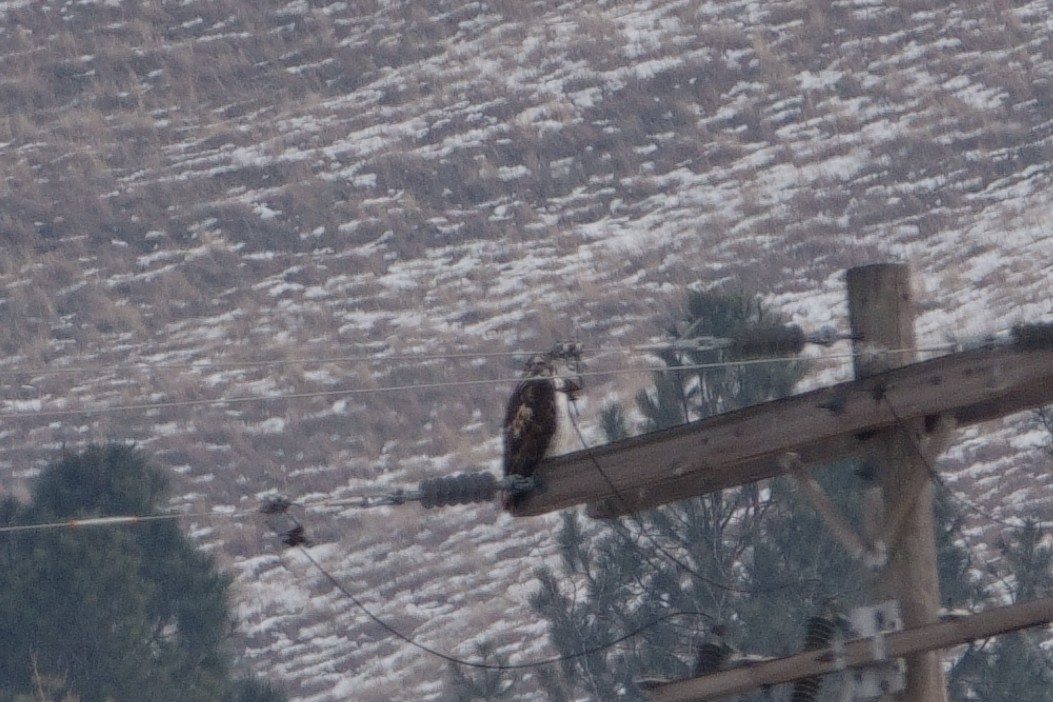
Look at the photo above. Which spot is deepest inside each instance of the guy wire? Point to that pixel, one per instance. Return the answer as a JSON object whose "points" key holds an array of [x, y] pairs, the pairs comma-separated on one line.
{"points": [[635, 516], [350, 392], [479, 664]]}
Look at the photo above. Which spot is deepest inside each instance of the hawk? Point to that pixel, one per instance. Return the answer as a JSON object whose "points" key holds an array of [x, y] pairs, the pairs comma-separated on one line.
{"points": [[537, 420]]}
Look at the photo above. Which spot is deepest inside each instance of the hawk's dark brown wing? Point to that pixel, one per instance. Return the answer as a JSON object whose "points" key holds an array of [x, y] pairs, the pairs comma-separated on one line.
{"points": [[530, 423]]}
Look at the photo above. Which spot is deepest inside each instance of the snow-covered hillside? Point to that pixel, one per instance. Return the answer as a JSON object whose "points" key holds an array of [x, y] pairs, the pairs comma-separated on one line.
{"points": [[229, 226]]}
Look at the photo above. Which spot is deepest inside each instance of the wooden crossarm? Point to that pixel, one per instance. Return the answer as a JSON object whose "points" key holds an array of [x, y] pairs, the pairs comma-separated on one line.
{"points": [[822, 425]]}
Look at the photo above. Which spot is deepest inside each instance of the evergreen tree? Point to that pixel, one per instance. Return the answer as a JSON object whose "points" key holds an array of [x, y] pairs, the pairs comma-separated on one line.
{"points": [[1044, 419], [254, 690], [116, 613], [677, 572], [613, 422], [684, 391], [481, 684], [796, 568], [749, 564], [1012, 667]]}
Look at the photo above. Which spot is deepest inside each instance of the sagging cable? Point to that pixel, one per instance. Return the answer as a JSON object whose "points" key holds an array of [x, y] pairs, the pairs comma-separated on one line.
{"points": [[460, 489]]}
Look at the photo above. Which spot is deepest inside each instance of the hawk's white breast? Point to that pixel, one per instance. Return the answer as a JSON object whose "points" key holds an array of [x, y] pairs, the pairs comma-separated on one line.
{"points": [[565, 439]]}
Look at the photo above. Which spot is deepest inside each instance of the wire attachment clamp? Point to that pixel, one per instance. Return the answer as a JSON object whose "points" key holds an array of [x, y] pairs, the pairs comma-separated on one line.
{"points": [[275, 511], [466, 488], [885, 676], [459, 489]]}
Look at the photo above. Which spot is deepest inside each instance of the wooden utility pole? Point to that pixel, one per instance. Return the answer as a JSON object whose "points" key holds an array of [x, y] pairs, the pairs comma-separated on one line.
{"points": [[819, 426], [896, 415], [881, 315]]}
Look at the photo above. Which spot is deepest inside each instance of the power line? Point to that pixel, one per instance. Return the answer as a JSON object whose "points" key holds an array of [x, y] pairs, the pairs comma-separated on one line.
{"points": [[364, 500], [347, 392], [679, 562], [448, 490], [111, 521], [937, 478], [401, 359], [119, 520], [767, 341], [248, 363], [147, 406], [479, 664]]}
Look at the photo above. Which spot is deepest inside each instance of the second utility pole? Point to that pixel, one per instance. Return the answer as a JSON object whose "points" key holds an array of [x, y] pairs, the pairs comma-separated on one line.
{"points": [[898, 506]]}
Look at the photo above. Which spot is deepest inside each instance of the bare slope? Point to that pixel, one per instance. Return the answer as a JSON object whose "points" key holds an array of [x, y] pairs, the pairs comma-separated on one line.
{"points": [[187, 189]]}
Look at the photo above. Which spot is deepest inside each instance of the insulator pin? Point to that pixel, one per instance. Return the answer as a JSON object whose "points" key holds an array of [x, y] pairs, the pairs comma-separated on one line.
{"points": [[819, 633], [459, 489], [769, 341], [806, 689]]}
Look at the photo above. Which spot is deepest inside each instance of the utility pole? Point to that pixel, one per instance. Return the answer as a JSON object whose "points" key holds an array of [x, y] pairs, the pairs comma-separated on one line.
{"points": [[819, 426], [881, 315], [896, 415]]}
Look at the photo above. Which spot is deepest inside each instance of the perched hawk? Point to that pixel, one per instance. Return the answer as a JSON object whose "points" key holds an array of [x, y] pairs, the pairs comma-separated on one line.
{"points": [[537, 421]]}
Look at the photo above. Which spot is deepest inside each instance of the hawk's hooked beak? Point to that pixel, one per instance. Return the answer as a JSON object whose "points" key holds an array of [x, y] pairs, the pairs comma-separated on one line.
{"points": [[574, 385], [570, 353]]}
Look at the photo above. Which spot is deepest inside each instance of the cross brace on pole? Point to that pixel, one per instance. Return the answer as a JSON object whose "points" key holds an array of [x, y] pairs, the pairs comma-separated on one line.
{"points": [[835, 422], [859, 652]]}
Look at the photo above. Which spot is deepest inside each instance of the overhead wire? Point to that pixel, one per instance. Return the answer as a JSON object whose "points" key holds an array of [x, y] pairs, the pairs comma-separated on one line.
{"points": [[333, 580], [936, 478], [262, 363], [362, 500], [641, 525], [118, 520], [398, 358], [168, 404], [357, 391], [112, 521]]}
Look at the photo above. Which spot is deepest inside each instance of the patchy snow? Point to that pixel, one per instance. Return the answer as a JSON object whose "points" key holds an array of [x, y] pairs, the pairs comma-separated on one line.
{"points": [[406, 222]]}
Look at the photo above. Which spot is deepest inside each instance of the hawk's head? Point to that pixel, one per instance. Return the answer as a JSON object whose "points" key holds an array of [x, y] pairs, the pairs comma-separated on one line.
{"points": [[562, 364]]}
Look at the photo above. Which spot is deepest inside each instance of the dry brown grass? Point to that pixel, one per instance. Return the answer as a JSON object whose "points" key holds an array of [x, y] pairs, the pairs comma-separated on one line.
{"points": [[153, 143]]}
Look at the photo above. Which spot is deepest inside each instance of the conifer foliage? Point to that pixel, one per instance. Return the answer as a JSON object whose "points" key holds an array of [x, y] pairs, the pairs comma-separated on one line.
{"points": [[685, 574], [1015, 667], [741, 571], [111, 613]]}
